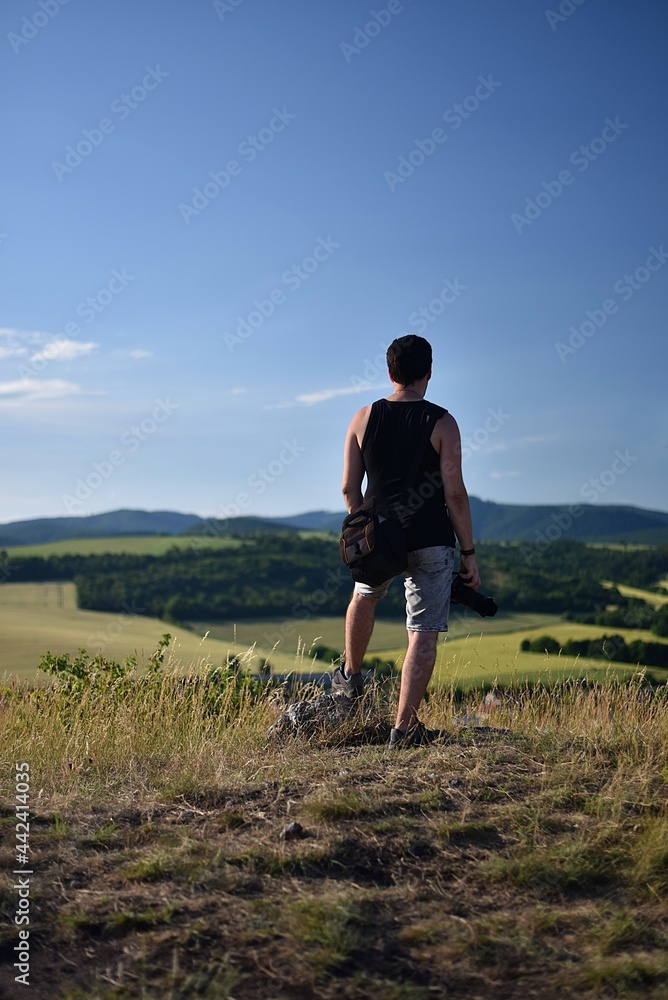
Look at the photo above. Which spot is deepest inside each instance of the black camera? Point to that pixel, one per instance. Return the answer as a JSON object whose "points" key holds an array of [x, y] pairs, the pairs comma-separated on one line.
{"points": [[470, 598]]}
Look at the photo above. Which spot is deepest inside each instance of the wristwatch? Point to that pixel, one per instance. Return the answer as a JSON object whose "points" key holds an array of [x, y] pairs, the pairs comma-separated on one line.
{"points": [[466, 552]]}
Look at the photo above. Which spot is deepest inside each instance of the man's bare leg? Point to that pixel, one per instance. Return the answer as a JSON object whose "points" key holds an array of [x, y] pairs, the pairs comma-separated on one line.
{"points": [[360, 618], [415, 674]]}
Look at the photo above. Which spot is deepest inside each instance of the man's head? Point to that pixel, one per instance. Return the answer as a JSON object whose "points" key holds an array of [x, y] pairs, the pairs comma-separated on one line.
{"points": [[409, 359]]}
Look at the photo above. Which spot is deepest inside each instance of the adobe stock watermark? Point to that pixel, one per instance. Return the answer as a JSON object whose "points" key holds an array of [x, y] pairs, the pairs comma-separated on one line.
{"points": [[101, 639], [292, 278], [470, 444], [565, 10], [31, 26], [493, 422], [454, 117], [129, 442], [23, 870], [422, 317], [223, 7], [88, 310], [257, 483], [418, 320], [364, 35], [249, 148], [592, 490], [302, 611], [582, 158], [121, 107], [624, 288]]}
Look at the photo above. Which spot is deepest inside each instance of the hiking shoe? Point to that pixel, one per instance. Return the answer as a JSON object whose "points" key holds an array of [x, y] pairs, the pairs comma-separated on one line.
{"points": [[417, 736], [350, 687]]}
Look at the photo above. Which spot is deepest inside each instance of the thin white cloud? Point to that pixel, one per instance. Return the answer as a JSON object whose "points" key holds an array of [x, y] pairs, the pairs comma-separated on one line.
{"points": [[33, 388], [12, 352], [284, 405], [504, 473], [63, 349], [311, 399], [520, 442], [238, 390], [134, 353], [17, 338], [495, 446], [538, 438]]}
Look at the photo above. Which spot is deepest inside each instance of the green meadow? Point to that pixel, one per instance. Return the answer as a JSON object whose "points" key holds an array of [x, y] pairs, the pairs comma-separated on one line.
{"points": [[40, 617], [655, 600], [136, 545]]}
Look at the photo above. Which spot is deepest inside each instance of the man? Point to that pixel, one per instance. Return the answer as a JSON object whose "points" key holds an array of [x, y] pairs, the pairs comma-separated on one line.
{"points": [[381, 442]]}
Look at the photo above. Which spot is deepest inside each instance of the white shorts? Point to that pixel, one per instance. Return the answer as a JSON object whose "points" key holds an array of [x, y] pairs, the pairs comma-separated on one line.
{"points": [[427, 582]]}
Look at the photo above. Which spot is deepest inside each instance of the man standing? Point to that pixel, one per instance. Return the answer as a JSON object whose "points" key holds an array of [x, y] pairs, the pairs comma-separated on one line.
{"points": [[381, 442]]}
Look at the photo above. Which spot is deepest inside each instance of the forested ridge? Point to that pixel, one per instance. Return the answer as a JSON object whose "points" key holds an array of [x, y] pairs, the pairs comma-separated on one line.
{"points": [[278, 574]]}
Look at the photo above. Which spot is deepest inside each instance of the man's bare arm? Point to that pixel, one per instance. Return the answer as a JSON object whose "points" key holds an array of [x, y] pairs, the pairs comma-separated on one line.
{"points": [[353, 462], [456, 497]]}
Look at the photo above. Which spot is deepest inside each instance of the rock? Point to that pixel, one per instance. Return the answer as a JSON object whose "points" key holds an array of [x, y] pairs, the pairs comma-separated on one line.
{"points": [[307, 717], [474, 721], [491, 702], [293, 831]]}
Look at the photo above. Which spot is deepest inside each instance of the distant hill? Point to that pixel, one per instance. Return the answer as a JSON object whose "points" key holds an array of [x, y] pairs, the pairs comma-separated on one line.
{"points": [[592, 523], [315, 520], [492, 522], [238, 525], [496, 522], [115, 522]]}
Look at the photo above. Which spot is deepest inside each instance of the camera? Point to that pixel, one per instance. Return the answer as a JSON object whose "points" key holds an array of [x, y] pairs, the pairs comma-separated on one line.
{"points": [[470, 598]]}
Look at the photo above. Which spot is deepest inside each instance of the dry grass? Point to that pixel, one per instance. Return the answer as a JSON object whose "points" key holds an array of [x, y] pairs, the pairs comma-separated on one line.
{"points": [[525, 859]]}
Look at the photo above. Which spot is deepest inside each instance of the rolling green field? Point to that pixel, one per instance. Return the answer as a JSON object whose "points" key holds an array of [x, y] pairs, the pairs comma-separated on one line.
{"points": [[40, 617], [488, 659], [36, 617], [654, 600], [139, 545], [387, 634]]}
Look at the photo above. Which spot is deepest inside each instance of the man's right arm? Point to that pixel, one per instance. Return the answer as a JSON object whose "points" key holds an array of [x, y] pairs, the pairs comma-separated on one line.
{"points": [[456, 497], [353, 461]]}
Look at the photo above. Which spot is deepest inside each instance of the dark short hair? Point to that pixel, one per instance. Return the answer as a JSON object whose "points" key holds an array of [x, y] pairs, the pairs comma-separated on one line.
{"points": [[409, 359]]}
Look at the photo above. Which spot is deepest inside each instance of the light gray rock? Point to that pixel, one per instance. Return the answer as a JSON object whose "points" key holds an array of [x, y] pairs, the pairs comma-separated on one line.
{"points": [[333, 716], [304, 718]]}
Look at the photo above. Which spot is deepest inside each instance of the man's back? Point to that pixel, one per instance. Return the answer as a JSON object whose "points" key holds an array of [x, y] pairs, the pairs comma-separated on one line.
{"points": [[393, 433]]}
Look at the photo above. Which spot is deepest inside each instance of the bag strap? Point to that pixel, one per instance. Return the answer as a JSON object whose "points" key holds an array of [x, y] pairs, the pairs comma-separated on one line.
{"points": [[419, 453]]}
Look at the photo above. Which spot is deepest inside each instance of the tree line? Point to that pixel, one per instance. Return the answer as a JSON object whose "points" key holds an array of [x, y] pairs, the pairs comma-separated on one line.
{"points": [[605, 647], [273, 574]]}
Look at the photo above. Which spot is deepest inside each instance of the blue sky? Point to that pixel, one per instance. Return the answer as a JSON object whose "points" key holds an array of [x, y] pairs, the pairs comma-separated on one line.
{"points": [[216, 217]]}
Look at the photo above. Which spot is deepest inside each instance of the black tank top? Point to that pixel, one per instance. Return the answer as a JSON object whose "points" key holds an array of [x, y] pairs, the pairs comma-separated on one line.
{"points": [[388, 449]]}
